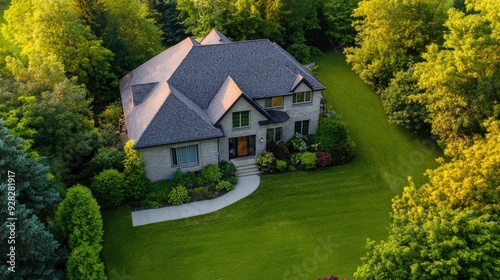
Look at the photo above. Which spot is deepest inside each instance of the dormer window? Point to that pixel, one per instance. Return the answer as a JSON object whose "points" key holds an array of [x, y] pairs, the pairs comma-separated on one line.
{"points": [[274, 102], [302, 97]]}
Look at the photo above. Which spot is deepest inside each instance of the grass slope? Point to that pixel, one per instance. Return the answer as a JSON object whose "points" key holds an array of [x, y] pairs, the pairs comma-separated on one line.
{"points": [[300, 225]]}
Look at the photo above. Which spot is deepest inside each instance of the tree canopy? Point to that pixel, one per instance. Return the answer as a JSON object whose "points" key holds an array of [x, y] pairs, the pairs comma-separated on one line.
{"points": [[448, 227]]}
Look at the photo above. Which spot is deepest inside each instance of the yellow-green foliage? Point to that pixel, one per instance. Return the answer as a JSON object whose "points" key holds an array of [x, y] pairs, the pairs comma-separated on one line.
{"points": [[448, 227], [136, 181]]}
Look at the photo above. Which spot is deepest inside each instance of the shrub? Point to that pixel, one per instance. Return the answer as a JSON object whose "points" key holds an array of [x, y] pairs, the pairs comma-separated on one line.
{"points": [[178, 195], [332, 137], [323, 159], [210, 175], [108, 188], [308, 160], [224, 185], [187, 179], [281, 165], [299, 143], [79, 218], [158, 194], [266, 161], [280, 151], [228, 169], [233, 180], [329, 278], [136, 181], [84, 263], [105, 158]]}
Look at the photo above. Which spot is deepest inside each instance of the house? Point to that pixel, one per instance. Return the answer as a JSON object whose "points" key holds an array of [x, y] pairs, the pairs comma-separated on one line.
{"points": [[199, 103]]}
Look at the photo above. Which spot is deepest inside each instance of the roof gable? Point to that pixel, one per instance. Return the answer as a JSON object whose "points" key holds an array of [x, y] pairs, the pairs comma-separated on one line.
{"points": [[225, 98], [176, 121], [215, 37]]}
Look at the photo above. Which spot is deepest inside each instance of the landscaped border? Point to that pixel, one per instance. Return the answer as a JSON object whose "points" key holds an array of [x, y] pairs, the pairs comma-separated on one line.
{"points": [[245, 186]]}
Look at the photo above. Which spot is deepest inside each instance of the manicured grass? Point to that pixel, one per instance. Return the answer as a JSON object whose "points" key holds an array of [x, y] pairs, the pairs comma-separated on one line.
{"points": [[301, 225]]}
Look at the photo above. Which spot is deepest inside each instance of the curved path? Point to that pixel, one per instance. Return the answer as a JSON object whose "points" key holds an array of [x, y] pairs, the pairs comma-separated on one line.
{"points": [[245, 186]]}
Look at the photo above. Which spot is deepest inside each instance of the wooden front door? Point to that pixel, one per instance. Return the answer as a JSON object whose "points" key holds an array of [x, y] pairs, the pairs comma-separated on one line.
{"points": [[242, 146]]}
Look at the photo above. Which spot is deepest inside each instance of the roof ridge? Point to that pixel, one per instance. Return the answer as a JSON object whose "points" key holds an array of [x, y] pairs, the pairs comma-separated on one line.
{"points": [[234, 43]]}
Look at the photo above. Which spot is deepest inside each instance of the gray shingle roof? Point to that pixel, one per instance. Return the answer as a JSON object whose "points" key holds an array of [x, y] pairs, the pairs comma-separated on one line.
{"points": [[260, 69], [180, 94]]}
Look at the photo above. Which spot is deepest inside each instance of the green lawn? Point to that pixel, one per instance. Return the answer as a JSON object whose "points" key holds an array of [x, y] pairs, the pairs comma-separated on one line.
{"points": [[300, 225]]}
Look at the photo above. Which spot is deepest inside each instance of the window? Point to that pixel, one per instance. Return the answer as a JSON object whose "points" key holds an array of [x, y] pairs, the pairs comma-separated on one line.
{"points": [[187, 155], [302, 127], [274, 134], [274, 102], [302, 97], [241, 119]]}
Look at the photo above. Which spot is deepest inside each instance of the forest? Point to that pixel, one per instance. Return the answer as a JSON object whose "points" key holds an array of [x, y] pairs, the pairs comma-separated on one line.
{"points": [[435, 65]]}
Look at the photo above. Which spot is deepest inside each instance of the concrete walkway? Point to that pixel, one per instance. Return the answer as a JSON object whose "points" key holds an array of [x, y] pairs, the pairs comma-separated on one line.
{"points": [[245, 186]]}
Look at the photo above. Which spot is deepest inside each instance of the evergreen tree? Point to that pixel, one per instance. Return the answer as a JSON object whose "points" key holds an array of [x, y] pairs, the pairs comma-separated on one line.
{"points": [[30, 195]]}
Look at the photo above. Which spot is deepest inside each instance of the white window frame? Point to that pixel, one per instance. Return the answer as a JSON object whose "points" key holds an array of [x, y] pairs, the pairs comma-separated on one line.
{"points": [[304, 100], [240, 119], [184, 151]]}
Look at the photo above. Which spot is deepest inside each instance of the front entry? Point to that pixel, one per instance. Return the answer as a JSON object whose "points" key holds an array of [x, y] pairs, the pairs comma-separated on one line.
{"points": [[242, 146]]}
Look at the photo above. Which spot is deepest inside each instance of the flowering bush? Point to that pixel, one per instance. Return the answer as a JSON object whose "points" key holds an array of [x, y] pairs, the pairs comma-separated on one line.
{"points": [[299, 143], [266, 161], [329, 278], [323, 159], [308, 160]]}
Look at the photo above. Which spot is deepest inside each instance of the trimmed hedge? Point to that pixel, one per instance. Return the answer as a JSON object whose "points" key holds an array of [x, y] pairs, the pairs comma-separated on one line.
{"points": [[108, 188]]}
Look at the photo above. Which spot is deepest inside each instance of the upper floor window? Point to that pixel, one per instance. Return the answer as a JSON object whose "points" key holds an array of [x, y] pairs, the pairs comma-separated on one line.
{"points": [[187, 155], [241, 119], [302, 97], [274, 102]]}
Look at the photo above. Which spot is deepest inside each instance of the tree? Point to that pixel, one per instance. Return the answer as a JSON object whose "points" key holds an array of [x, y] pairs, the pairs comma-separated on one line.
{"points": [[339, 29], [201, 16], [31, 195], [84, 263], [167, 16], [53, 28], [54, 108], [79, 218], [130, 34], [448, 228], [393, 34], [400, 104], [461, 80]]}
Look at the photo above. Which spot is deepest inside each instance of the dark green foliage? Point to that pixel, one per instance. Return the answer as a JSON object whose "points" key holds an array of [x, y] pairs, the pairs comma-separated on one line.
{"points": [[110, 125], [79, 218], [108, 188], [210, 175], [233, 180], [37, 253], [106, 158], [136, 181], [228, 169], [339, 30], [332, 136], [400, 104], [158, 194], [279, 150], [178, 195], [167, 17], [84, 263]]}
